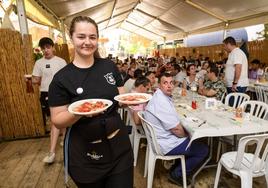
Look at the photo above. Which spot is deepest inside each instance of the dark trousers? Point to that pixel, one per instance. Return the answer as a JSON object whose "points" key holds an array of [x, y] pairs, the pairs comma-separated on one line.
{"points": [[123, 179], [194, 155], [44, 106], [239, 89]]}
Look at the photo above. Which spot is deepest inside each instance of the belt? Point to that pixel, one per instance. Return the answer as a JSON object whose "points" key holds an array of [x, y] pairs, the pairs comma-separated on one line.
{"points": [[110, 136]]}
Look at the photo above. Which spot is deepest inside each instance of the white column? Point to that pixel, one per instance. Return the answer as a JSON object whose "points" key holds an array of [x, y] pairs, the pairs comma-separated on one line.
{"points": [[51, 33], [22, 17], [62, 27], [225, 30]]}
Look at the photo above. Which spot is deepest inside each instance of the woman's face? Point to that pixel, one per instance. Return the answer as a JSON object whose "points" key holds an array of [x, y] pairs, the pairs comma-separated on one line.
{"points": [[192, 70], [151, 77], [85, 39]]}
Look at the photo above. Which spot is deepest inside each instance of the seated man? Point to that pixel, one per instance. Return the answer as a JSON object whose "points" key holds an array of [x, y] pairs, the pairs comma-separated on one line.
{"points": [[171, 136], [141, 85], [213, 87]]}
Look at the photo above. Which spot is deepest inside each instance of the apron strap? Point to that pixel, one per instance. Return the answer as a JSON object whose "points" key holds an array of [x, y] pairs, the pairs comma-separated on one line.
{"points": [[66, 152]]}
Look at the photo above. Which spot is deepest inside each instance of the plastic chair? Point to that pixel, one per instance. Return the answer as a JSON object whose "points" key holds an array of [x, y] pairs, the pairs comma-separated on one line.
{"points": [[138, 134], [236, 98], [153, 153], [246, 165], [262, 93], [223, 97], [124, 116], [256, 109]]}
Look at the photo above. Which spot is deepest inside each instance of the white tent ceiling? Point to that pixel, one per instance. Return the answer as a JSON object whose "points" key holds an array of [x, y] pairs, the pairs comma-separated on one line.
{"points": [[163, 19]]}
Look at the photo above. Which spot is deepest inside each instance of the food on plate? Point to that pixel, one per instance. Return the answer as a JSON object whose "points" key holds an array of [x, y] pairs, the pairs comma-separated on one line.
{"points": [[90, 106], [133, 98]]}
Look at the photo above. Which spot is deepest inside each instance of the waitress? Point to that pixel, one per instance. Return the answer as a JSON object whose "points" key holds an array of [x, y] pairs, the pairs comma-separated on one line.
{"points": [[98, 152]]}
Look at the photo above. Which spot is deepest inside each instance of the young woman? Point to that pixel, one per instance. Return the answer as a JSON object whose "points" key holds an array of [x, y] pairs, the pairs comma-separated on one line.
{"points": [[191, 81], [97, 148]]}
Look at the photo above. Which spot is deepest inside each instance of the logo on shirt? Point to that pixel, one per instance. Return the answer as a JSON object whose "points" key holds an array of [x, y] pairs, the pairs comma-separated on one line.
{"points": [[110, 78], [94, 156]]}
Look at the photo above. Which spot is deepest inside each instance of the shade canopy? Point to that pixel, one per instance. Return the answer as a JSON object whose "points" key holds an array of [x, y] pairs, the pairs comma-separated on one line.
{"points": [[157, 19]]}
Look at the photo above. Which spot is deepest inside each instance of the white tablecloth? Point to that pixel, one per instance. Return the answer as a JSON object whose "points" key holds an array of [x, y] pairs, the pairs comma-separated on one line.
{"points": [[219, 122]]}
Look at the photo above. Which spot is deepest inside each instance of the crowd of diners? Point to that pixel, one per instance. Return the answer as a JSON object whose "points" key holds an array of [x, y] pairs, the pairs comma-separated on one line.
{"points": [[186, 72]]}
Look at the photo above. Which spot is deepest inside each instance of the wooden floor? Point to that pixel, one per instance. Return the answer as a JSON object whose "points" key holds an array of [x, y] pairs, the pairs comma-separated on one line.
{"points": [[21, 166]]}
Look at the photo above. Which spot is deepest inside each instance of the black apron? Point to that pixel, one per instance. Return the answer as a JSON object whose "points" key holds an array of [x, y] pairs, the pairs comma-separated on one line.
{"points": [[89, 162]]}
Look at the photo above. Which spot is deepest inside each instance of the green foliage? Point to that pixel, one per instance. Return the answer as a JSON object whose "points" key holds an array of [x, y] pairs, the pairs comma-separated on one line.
{"points": [[37, 54], [263, 34]]}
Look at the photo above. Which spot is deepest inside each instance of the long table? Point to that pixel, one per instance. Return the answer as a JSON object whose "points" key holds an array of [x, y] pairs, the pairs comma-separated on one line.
{"points": [[219, 122], [254, 83]]}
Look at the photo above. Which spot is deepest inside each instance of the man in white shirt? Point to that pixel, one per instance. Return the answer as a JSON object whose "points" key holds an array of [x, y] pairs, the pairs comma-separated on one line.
{"points": [[171, 136], [43, 72], [236, 71]]}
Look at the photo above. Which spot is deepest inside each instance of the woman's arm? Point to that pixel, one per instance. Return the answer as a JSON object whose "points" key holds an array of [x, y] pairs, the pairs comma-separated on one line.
{"points": [[62, 118]]}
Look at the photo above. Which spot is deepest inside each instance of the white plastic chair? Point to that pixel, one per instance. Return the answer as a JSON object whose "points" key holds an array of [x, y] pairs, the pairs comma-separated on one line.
{"points": [[124, 116], [153, 153], [138, 134], [262, 93], [223, 97], [238, 99], [121, 112], [246, 165], [256, 109]]}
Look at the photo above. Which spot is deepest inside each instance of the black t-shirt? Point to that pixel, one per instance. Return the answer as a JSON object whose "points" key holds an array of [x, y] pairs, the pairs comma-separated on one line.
{"points": [[89, 162], [99, 81]]}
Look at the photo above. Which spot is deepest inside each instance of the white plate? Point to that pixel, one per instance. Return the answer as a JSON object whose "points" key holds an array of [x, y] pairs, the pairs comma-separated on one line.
{"points": [[139, 101], [78, 103]]}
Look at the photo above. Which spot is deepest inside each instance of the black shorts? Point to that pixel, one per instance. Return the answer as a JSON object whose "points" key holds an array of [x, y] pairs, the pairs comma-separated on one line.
{"points": [[44, 103]]}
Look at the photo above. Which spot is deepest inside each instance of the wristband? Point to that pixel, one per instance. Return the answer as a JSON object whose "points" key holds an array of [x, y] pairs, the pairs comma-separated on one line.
{"points": [[234, 83]]}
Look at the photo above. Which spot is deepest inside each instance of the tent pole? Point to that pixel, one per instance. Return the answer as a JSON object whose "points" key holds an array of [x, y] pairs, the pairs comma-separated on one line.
{"points": [[22, 17], [51, 32], [63, 32], [225, 30]]}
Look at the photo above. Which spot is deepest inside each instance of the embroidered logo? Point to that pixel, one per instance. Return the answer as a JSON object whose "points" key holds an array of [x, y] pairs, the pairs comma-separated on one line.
{"points": [[110, 78], [93, 155]]}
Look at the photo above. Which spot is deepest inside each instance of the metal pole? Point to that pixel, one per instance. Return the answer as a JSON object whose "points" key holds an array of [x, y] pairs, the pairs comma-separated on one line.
{"points": [[22, 17], [62, 27], [51, 32], [225, 30]]}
